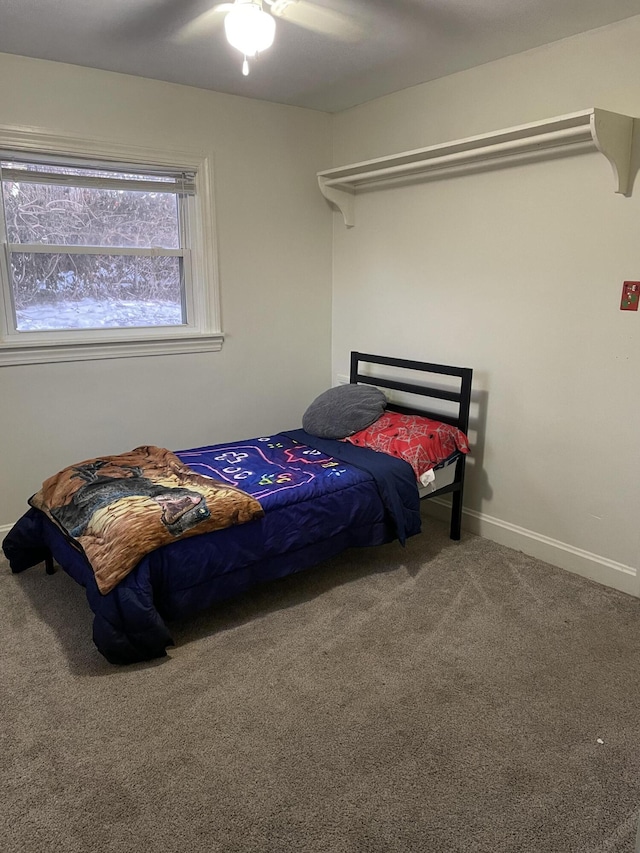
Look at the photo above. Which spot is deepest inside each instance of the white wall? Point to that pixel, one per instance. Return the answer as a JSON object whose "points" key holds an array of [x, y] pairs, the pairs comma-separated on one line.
{"points": [[274, 239], [517, 273]]}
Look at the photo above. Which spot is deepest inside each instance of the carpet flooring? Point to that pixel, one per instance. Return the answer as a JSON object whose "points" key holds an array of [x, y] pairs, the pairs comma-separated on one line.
{"points": [[444, 697]]}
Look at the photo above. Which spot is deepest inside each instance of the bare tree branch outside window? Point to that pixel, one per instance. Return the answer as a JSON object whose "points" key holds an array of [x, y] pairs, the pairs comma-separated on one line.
{"points": [[109, 288]]}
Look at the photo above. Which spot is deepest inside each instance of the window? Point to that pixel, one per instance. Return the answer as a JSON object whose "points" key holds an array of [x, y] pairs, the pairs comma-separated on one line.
{"points": [[104, 256]]}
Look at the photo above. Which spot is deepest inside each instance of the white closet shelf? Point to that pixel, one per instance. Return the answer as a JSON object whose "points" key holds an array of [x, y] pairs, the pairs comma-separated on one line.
{"points": [[607, 132]]}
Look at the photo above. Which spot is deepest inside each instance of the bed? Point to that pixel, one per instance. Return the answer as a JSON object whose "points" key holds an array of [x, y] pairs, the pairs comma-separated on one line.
{"points": [[315, 497]]}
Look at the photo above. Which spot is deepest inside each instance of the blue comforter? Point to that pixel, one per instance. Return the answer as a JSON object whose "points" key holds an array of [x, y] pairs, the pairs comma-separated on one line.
{"points": [[319, 497]]}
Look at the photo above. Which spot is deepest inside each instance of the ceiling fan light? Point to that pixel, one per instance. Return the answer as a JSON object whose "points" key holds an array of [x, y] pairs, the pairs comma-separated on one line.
{"points": [[249, 29]]}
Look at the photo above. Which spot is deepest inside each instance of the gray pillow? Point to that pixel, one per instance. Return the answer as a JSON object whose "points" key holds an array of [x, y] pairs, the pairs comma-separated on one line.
{"points": [[343, 410]]}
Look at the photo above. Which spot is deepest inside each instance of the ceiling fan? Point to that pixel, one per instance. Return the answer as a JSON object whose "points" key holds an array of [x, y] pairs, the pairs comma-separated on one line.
{"points": [[251, 29]]}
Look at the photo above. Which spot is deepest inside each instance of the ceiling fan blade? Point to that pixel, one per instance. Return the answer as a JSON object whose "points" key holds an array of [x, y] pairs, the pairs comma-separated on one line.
{"points": [[204, 24], [320, 19]]}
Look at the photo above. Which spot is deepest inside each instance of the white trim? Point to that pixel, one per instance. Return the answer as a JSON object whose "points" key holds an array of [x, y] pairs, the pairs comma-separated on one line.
{"points": [[12, 355], [576, 560], [4, 529], [202, 331]]}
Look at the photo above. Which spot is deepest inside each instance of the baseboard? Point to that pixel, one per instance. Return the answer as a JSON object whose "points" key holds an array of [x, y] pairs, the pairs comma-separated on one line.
{"points": [[592, 566]]}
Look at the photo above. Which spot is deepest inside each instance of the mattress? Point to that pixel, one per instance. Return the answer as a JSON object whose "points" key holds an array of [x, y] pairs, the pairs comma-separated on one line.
{"points": [[440, 477]]}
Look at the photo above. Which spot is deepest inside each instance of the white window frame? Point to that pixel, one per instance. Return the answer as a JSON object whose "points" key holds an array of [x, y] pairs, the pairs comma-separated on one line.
{"points": [[202, 330]]}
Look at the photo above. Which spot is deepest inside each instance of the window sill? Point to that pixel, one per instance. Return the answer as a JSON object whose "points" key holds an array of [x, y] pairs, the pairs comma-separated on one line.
{"points": [[12, 354]]}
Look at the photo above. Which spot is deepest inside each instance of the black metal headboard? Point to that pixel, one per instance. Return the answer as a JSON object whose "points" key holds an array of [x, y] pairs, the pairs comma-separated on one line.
{"points": [[462, 396], [459, 396]]}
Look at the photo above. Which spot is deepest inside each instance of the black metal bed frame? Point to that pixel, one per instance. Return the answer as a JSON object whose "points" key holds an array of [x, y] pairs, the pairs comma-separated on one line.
{"points": [[461, 397]]}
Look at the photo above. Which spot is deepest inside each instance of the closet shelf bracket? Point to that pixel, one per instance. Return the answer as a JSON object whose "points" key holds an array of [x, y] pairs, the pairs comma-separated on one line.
{"points": [[610, 133]]}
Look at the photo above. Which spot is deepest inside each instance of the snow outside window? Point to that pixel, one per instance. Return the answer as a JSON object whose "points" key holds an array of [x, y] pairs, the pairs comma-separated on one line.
{"points": [[104, 258]]}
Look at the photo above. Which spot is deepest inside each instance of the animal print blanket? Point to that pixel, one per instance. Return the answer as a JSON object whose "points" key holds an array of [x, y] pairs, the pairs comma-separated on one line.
{"points": [[117, 509]]}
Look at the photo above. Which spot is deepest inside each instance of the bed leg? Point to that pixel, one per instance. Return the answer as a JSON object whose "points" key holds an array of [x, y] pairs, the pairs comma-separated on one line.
{"points": [[456, 516], [48, 563]]}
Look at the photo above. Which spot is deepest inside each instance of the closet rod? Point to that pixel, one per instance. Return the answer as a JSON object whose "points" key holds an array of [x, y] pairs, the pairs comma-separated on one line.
{"points": [[609, 133], [544, 140]]}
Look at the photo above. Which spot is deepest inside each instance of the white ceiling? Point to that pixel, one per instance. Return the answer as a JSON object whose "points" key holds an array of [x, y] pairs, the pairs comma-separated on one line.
{"points": [[401, 42]]}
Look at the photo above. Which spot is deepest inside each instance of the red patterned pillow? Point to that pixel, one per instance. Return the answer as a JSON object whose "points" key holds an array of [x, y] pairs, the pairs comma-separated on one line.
{"points": [[422, 442]]}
